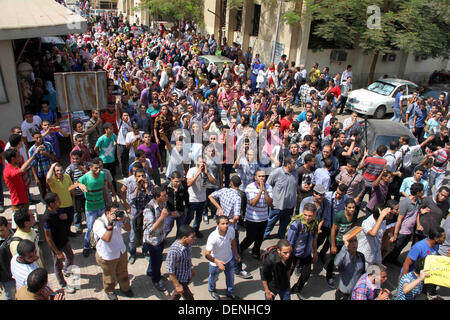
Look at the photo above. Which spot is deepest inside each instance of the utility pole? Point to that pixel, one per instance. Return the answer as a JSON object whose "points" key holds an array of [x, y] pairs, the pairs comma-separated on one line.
{"points": [[276, 31]]}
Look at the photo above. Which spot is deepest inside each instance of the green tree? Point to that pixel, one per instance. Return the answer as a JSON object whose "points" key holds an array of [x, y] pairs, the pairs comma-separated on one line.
{"points": [[418, 27], [175, 10]]}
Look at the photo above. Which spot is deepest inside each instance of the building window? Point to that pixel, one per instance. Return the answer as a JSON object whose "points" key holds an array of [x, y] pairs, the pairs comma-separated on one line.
{"points": [[256, 17], [238, 20]]}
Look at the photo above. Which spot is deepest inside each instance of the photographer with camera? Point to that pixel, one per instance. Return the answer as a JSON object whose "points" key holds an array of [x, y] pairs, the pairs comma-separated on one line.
{"points": [[111, 252]]}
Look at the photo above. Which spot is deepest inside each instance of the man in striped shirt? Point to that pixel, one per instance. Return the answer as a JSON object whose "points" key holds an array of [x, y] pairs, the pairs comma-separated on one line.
{"points": [[437, 174], [179, 263], [230, 206], [372, 169], [259, 199]]}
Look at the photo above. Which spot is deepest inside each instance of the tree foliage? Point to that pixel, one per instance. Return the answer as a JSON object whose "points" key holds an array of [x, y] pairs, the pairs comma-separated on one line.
{"points": [[175, 10], [419, 27]]}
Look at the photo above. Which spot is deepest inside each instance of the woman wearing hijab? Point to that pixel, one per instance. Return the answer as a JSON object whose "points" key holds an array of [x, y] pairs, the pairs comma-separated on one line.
{"points": [[261, 79], [272, 76], [255, 71]]}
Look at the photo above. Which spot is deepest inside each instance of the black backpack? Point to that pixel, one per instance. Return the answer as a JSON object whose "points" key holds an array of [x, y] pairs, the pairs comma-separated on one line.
{"points": [[267, 251]]}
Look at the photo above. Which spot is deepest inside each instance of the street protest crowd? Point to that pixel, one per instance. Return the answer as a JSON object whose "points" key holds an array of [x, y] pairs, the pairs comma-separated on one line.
{"points": [[196, 142]]}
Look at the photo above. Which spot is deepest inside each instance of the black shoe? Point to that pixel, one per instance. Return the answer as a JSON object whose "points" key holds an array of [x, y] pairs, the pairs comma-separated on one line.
{"points": [[294, 289], [233, 297], [129, 293], [86, 252], [149, 274], [214, 295]]}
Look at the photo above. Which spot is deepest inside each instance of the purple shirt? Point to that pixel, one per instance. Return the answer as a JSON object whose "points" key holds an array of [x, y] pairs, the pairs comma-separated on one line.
{"points": [[52, 138], [378, 195], [150, 153]]}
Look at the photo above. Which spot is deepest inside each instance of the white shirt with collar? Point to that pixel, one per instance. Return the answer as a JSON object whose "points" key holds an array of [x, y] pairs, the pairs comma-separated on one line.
{"points": [[113, 249]]}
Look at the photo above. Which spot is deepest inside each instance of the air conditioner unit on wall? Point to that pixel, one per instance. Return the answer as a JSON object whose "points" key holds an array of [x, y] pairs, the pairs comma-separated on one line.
{"points": [[338, 55]]}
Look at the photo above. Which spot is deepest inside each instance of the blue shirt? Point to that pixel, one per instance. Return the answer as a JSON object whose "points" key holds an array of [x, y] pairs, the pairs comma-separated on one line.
{"points": [[397, 100], [421, 117], [420, 250], [322, 176], [50, 116], [408, 278], [408, 182]]}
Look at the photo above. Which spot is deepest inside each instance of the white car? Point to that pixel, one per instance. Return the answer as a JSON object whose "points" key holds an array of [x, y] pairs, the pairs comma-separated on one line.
{"points": [[379, 97]]}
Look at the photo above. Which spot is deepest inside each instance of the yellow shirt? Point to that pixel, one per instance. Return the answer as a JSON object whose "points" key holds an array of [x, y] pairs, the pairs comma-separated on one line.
{"points": [[33, 237], [61, 188], [261, 125], [315, 75]]}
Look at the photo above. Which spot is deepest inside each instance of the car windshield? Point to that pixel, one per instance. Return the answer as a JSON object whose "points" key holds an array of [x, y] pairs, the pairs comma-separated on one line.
{"points": [[386, 140], [381, 87]]}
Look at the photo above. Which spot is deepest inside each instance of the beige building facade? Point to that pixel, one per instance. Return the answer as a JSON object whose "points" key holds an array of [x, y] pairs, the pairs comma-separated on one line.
{"points": [[255, 26], [133, 13]]}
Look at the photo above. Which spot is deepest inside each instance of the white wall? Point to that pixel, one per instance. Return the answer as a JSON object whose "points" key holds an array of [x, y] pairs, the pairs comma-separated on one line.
{"points": [[11, 112], [416, 71]]}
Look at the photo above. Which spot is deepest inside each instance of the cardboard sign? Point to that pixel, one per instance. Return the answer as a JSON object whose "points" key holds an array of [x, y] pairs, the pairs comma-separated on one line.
{"points": [[439, 269]]}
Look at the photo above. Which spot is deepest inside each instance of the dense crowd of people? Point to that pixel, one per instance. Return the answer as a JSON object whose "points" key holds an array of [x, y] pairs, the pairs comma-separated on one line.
{"points": [[194, 142]]}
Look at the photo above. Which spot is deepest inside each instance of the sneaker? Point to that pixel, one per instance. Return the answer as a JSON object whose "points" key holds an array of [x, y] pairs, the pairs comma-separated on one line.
{"points": [[86, 252], [67, 274], [330, 283], [205, 219], [111, 296], [433, 296], [233, 297], [129, 293], [300, 296], [132, 259], [214, 295], [160, 286], [244, 274]]}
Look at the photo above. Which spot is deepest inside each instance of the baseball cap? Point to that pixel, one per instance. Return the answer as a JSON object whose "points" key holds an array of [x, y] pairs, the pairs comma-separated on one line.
{"points": [[319, 189]]}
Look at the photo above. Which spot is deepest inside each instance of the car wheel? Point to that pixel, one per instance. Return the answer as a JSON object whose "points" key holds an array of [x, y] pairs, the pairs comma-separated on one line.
{"points": [[380, 112]]}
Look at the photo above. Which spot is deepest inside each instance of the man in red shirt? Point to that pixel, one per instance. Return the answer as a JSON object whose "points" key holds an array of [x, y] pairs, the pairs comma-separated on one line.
{"points": [[110, 116], [13, 175], [335, 90], [2, 198], [287, 120]]}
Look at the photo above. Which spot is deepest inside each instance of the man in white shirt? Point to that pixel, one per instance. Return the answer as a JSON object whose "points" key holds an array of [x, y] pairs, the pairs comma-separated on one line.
{"points": [[30, 124], [24, 262], [111, 252], [347, 73], [305, 126], [196, 179], [219, 251]]}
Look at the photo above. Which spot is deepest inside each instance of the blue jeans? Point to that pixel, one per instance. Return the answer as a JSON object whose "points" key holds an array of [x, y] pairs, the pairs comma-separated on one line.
{"points": [[397, 115], [91, 216], [435, 179], [284, 216], [198, 208], [10, 289], [156, 258], [229, 277], [237, 265], [170, 221], [284, 294]]}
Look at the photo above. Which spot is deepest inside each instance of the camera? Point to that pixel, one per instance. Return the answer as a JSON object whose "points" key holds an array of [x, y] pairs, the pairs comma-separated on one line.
{"points": [[119, 214]]}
